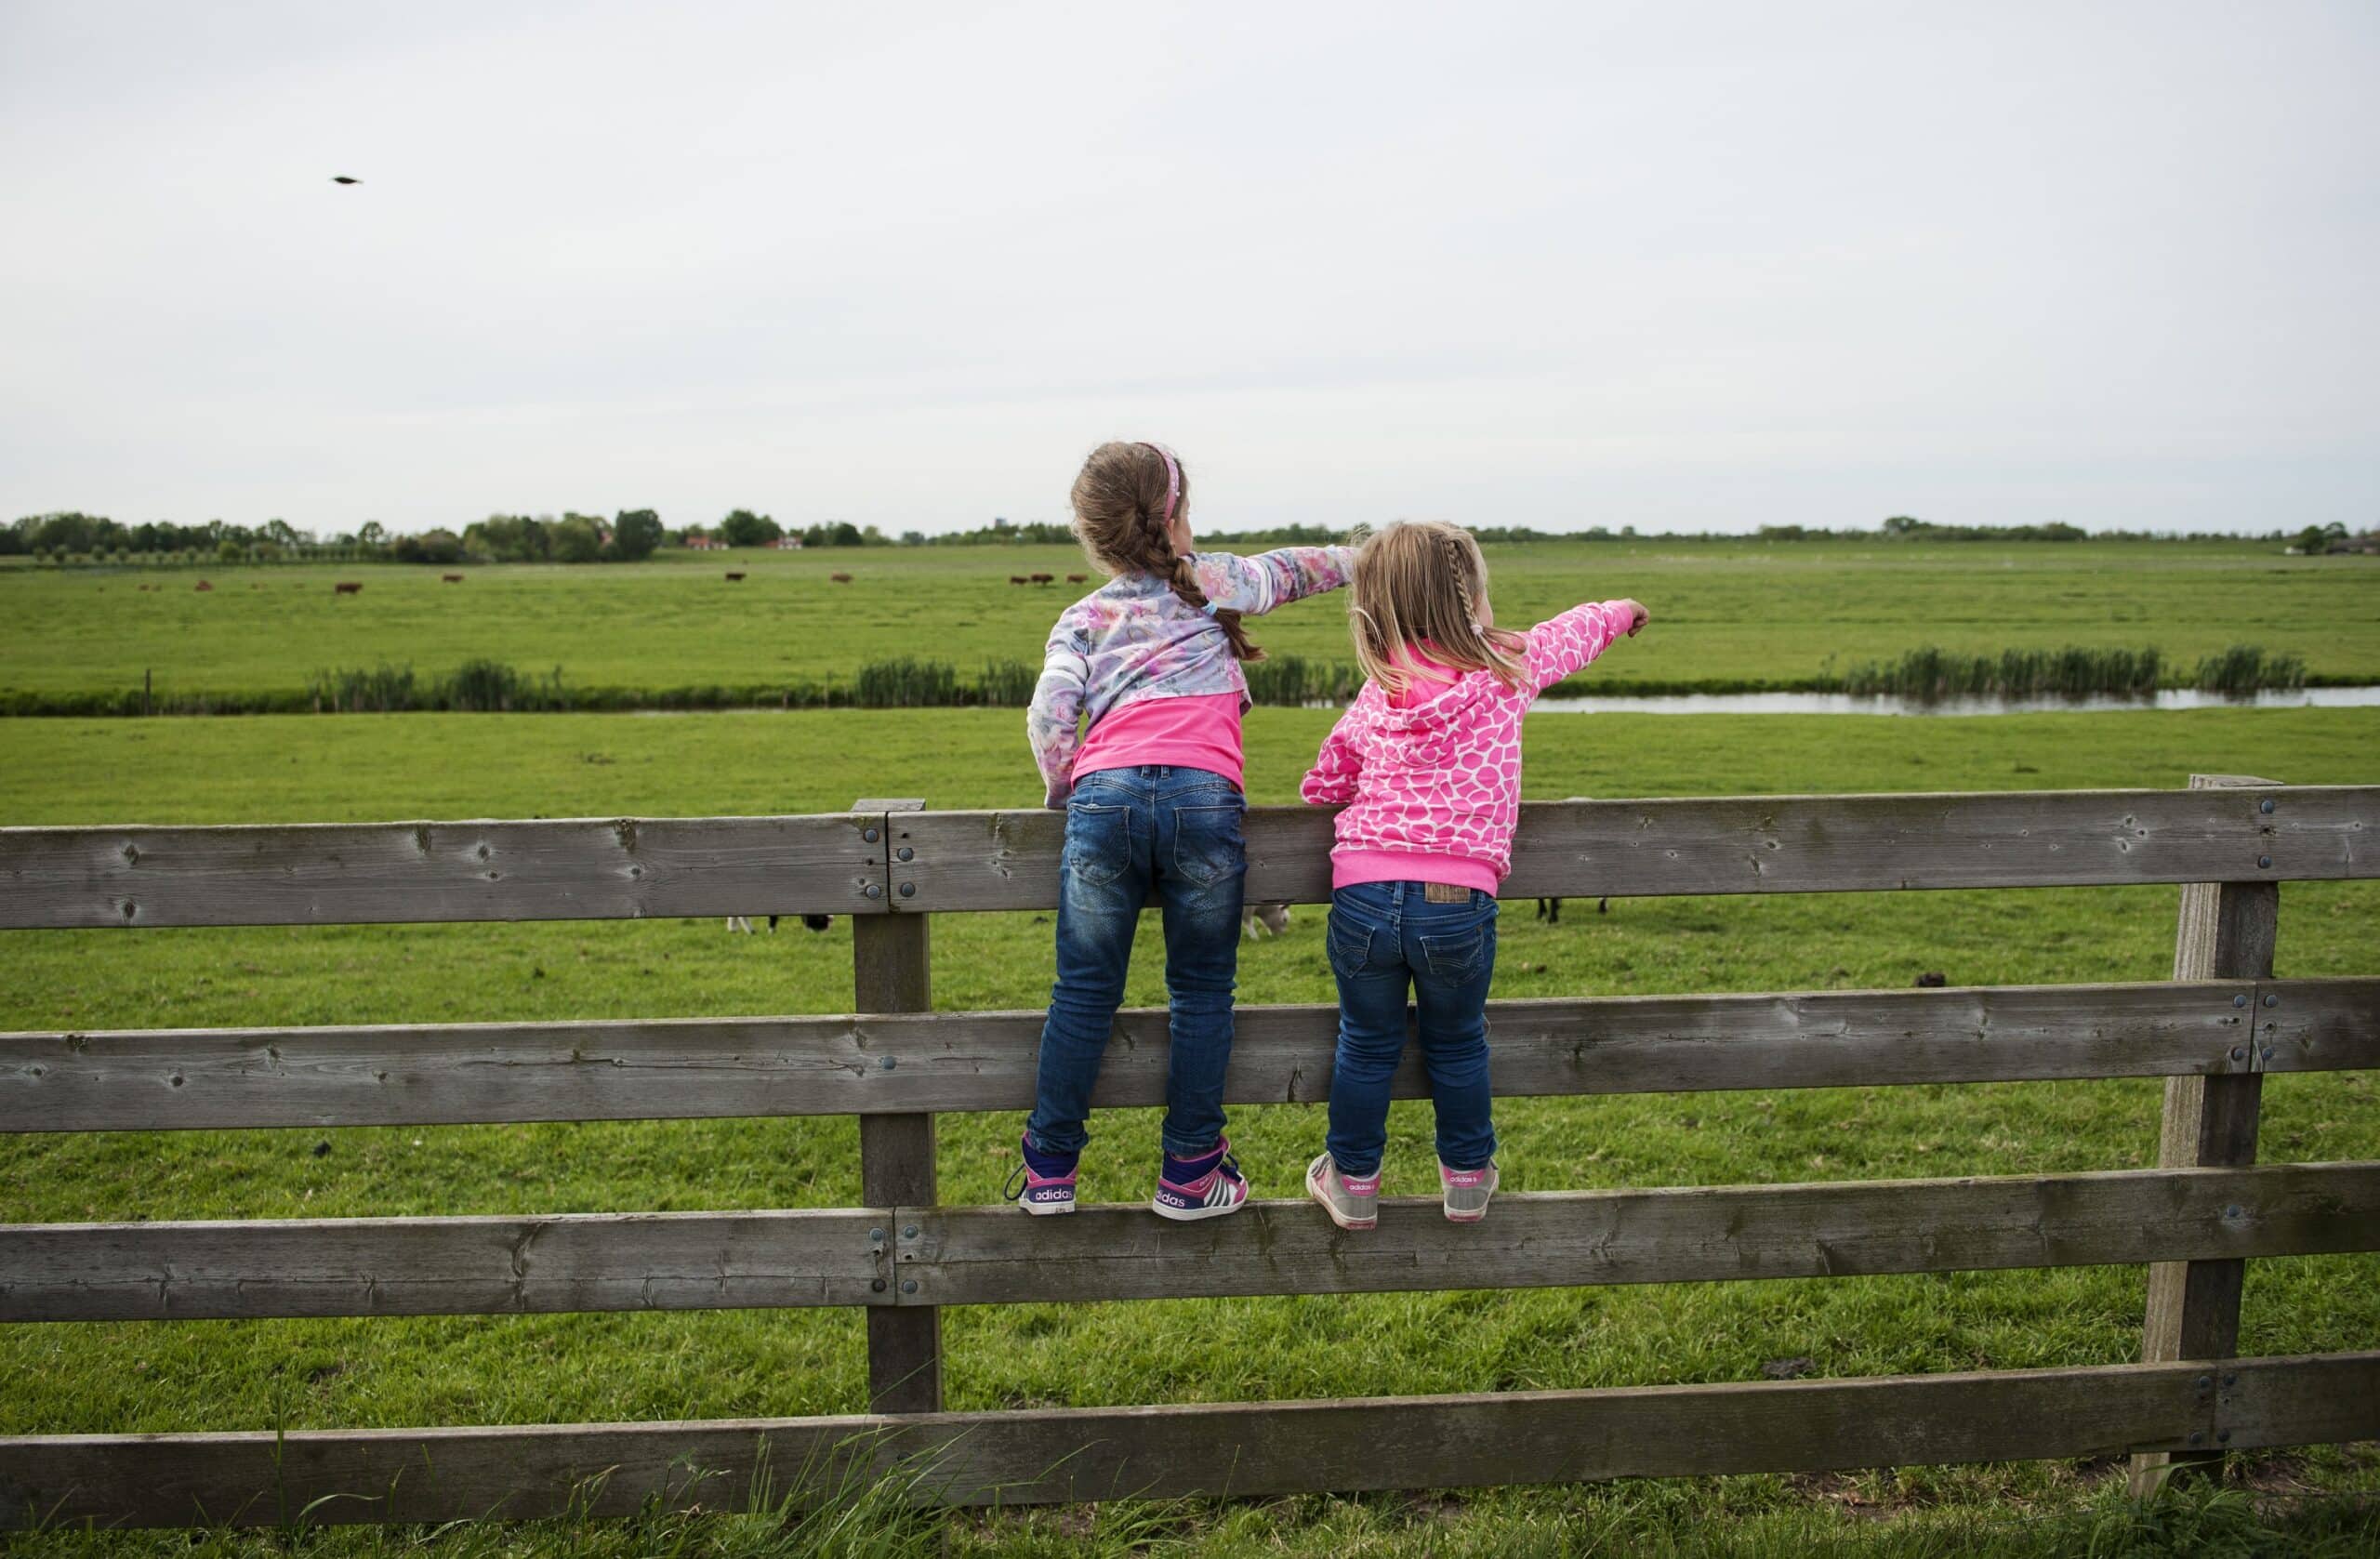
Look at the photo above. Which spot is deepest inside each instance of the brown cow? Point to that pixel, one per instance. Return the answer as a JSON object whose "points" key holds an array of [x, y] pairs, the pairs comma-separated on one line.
{"points": [[1016, 579], [347, 587], [205, 586], [1044, 578], [734, 576], [1077, 578], [841, 578], [451, 578]]}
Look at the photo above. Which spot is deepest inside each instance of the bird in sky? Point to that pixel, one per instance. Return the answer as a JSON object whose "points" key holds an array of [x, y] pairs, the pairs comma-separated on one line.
{"points": [[342, 178]]}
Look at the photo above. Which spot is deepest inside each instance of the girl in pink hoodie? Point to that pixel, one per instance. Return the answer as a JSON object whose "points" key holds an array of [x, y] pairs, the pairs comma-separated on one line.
{"points": [[1427, 764]]}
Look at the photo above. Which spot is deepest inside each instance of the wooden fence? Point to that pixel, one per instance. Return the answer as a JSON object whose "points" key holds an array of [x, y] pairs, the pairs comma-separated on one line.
{"points": [[2213, 1032]]}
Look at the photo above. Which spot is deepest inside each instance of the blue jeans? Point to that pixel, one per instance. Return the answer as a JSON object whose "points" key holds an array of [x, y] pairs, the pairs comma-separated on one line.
{"points": [[1133, 834], [1385, 936]]}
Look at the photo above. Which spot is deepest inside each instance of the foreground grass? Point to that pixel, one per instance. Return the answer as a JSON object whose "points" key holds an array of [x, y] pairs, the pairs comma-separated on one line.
{"points": [[1730, 614], [361, 1372]]}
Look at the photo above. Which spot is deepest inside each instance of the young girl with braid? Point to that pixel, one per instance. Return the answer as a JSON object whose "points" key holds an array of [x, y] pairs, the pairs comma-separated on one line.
{"points": [[1148, 666], [1426, 765]]}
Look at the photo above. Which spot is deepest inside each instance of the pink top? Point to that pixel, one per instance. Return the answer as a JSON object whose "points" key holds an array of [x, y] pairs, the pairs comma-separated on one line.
{"points": [[1431, 784], [1196, 730]]}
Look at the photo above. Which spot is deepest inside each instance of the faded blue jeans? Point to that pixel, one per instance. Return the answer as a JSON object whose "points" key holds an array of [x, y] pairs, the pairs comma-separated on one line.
{"points": [[1133, 835], [1384, 937]]}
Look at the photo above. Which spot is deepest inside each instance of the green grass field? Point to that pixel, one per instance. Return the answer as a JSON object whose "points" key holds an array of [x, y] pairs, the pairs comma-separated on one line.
{"points": [[350, 1373], [1728, 613]]}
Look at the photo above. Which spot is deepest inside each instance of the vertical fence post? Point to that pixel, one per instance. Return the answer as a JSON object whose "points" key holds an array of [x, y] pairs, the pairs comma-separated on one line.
{"points": [[2227, 933], [892, 971]]}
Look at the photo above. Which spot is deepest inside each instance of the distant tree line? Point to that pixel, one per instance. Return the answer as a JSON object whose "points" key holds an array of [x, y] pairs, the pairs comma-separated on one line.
{"points": [[626, 536], [634, 533], [744, 528], [999, 532]]}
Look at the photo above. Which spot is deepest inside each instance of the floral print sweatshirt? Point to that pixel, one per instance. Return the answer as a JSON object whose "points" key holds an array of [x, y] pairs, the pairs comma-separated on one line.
{"points": [[1440, 777], [1133, 639]]}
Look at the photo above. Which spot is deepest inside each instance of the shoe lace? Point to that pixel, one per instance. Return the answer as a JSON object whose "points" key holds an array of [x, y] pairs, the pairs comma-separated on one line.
{"points": [[1015, 1186]]}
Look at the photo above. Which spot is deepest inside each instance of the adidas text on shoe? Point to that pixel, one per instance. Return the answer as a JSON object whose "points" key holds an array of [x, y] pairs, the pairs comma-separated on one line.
{"points": [[1467, 1191], [1039, 1194], [1353, 1201]]}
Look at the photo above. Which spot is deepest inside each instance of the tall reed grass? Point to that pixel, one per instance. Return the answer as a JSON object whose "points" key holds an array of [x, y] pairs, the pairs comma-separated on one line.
{"points": [[2245, 668], [2074, 672], [905, 683], [476, 686], [1295, 682]]}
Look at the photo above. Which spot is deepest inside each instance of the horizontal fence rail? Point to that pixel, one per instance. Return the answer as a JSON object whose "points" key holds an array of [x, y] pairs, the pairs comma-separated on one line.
{"points": [[629, 868], [360, 874], [929, 1256], [157, 1080], [440, 1266], [1038, 1457], [1759, 844]]}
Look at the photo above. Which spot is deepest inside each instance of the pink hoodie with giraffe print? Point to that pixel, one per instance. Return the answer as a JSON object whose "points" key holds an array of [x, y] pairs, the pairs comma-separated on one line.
{"points": [[1431, 779]]}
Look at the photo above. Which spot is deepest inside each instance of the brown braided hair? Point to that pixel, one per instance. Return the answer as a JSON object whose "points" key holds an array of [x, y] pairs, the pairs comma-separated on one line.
{"points": [[1120, 520]]}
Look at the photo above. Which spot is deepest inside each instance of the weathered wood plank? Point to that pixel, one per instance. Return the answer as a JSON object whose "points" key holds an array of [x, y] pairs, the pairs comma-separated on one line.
{"points": [[161, 1079], [2227, 930], [1699, 1233], [1215, 1449], [992, 1255], [892, 971], [1759, 844], [625, 868], [440, 1266], [559, 869], [2258, 1404], [2301, 1024]]}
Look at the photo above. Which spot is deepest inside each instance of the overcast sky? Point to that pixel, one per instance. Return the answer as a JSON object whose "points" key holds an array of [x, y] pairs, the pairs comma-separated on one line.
{"points": [[1687, 266]]}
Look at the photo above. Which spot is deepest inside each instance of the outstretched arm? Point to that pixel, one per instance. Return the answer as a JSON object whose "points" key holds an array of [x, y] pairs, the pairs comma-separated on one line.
{"points": [[1257, 585], [1562, 644], [1051, 722]]}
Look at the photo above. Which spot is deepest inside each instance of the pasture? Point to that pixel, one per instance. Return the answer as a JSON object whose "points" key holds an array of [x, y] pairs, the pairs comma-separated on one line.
{"points": [[196, 1375], [1733, 614]]}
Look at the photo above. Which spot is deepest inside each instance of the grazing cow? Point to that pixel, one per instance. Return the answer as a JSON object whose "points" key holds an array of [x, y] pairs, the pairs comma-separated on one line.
{"points": [[1266, 919], [1077, 578], [205, 586], [347, 587], [1016, 579], [841, 578], [1932, 980], [733, 576], [451, 578], [1044, 578]]}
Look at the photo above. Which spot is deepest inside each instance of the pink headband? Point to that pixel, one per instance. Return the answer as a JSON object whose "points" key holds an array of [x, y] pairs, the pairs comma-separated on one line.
{"points": [[1173, 479]]}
